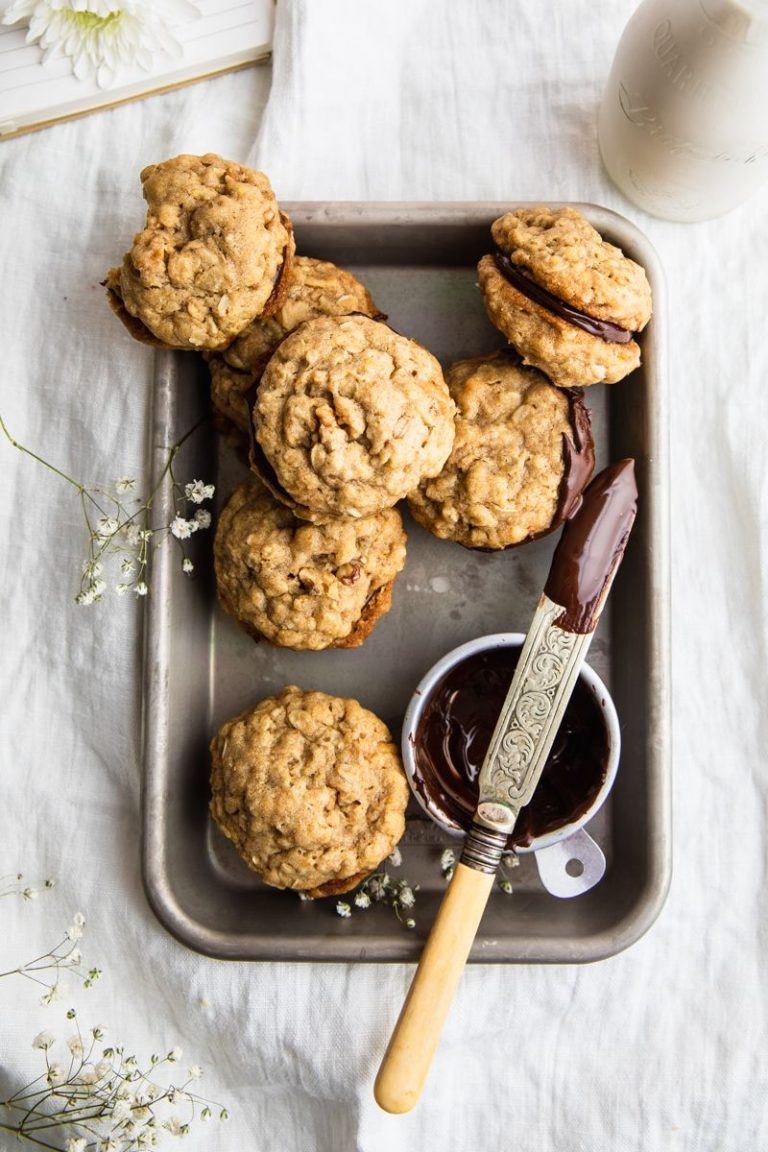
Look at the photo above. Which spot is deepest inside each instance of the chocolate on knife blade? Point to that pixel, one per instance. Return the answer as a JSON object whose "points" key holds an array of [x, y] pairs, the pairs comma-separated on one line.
{"points": [[591, 547]]}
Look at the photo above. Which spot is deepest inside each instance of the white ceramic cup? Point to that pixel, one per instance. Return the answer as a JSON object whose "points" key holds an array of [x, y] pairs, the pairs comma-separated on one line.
{"points": [[568, 859]]}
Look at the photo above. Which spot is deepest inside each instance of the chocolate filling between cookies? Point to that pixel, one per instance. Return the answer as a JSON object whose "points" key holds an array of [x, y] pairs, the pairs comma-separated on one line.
{"points": [[604, 329]]}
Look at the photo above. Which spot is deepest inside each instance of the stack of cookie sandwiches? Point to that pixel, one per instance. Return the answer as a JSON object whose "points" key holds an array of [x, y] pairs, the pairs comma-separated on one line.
{"points": [[340, 419]]}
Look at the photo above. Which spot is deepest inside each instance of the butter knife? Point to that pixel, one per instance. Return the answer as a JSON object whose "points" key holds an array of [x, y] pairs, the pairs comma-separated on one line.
{"points": [[584, 564]]}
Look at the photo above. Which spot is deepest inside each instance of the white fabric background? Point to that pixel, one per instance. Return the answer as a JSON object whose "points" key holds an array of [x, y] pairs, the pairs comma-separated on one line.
{"points": [[659, 1048]]}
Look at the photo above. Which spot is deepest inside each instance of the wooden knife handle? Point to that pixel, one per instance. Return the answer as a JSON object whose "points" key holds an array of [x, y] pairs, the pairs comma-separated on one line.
{"points": [[406, 1062]]}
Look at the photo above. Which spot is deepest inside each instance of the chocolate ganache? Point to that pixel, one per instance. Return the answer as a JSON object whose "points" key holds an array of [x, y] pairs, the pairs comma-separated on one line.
{"points": [[611, 333], [455, 730], [592, 545]]}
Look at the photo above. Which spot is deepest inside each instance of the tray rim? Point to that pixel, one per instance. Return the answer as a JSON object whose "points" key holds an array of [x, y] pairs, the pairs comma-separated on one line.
{"points": [[370, 948]]}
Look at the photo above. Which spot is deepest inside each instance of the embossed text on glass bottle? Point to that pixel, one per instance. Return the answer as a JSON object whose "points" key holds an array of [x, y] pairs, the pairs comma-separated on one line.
{"points": [[683, 124]]}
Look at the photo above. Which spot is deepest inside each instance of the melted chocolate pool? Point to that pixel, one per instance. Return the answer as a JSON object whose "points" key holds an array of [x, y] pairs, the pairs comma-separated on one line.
{"points": [[455, 730]]}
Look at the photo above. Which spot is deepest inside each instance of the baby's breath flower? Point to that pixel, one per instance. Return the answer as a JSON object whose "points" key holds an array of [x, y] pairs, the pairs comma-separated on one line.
{"points": [[343, 909], [76, 1144], [174, 1055], [56, 1074], [187, 565], [122, 1110], [75, 931], [410, 922], [125, 485], [141, 588], [197, 492], [448, 859], [88, 1075], [92, 568], [127, 567], [362, 899], [505, 887], [377, 886], [395, 857], [121, 589], [43, 1040], [75, 1045], [132, 534], [195, 1072], [406, 897], [182, 529], [173, 1125], [202, 518], [106, 526]]}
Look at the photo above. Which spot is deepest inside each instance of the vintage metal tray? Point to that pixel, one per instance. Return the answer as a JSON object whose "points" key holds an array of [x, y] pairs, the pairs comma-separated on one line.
{"points": [[419, 261]]}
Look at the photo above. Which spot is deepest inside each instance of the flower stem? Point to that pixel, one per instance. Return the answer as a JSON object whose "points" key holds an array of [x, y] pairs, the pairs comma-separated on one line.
{"points": [[39, 459]]}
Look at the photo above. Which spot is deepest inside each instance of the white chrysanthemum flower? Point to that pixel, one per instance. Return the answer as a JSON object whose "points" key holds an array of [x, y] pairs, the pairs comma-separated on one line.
{"points": [[363, 900], [182, 529], [43, 1040], [343, 909], [197, 491], [101, 37], [203, 518]]}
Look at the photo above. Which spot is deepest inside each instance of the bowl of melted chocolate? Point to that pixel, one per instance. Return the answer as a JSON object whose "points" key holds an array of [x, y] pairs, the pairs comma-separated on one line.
{"points": [[448, 728]]}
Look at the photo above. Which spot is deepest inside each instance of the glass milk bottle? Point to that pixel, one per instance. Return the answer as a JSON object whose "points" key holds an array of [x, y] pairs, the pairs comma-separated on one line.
{"points": [[683, 124]]}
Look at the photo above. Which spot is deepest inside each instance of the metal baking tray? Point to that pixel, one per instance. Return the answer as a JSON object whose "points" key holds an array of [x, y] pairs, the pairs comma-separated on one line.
{"points": [[418, 260]]}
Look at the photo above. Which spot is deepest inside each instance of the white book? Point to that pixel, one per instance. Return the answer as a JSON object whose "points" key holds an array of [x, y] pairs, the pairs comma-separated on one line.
{"points": [[222, 36]]}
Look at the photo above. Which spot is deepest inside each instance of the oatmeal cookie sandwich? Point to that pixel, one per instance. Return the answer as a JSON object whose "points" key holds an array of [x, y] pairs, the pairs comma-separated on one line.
{"points": [[310, 789], [522, 455], [349, 417], [567, 300], [214, 254], [301, 585]]}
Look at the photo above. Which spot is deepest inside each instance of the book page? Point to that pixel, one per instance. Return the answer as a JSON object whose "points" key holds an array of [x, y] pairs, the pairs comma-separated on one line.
{"points": [[226, 34]]}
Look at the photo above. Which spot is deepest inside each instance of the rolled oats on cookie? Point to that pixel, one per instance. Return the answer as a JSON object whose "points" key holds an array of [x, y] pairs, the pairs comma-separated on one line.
{"points": [[301, 585], [214, 254], [567, 300], [317, 288], [349, 417], [310, 789], [522, 454]]}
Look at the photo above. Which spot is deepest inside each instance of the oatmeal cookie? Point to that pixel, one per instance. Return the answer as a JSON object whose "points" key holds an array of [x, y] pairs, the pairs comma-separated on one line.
{"points": [[568, 301], [300, 585], [522, 454], [310, 789], [349, 417], [215, 253], [317, 288]]}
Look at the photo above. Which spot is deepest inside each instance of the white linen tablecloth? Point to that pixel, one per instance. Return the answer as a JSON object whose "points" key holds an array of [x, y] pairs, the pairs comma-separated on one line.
{"points": [[661, 1048]]}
